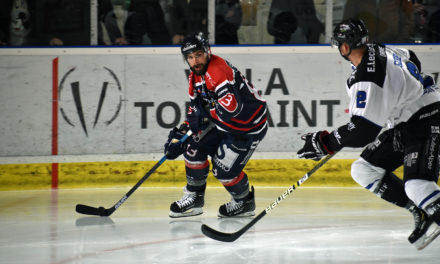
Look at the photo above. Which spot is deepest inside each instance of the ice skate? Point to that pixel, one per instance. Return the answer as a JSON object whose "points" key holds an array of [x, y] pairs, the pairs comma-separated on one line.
{"points": [[432, 230], [432, 233], [240, 208], [190, 204], [422, 222]]}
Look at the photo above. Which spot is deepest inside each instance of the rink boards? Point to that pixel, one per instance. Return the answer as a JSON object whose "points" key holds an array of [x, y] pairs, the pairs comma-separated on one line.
{"points": [[266, 172], [59, 102]]}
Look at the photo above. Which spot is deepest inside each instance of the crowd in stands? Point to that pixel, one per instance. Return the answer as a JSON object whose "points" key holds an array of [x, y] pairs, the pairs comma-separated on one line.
{"points": [[166, 22]]}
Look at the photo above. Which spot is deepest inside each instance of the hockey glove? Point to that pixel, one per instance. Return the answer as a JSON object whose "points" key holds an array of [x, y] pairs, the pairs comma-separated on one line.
{"points": [[314, 148], [197, 117], [172, 147]]}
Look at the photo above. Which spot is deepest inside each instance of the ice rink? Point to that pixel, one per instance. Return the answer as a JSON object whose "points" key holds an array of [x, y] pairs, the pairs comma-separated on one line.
{"points": [[313, 225]]}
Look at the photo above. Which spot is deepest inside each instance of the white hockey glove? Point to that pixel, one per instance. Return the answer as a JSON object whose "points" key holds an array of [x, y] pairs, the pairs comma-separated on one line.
{"points": [[314, 148]]}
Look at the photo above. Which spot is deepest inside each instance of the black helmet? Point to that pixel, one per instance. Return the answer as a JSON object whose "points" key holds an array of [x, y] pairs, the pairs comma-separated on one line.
{"points": [[351, 31], [194, 42]]}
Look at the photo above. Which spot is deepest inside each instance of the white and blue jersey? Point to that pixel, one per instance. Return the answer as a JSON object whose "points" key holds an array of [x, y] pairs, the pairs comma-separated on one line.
{"points": [[385, 89]]}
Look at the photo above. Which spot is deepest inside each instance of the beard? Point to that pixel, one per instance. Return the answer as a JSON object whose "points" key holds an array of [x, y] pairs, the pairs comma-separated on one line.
{"points": [[199, 69]]}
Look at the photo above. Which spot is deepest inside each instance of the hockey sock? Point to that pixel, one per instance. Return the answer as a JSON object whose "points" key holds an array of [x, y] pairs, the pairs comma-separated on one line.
{"points": [[196, 188], [196, 175], [238, 187], [391, 189]]}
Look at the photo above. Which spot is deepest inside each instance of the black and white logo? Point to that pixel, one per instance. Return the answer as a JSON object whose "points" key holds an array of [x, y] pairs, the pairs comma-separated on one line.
{"points": [[95, 97]]}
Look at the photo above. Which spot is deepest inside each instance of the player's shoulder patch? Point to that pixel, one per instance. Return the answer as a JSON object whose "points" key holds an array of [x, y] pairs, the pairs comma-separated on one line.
{"points": [[372, 67]]}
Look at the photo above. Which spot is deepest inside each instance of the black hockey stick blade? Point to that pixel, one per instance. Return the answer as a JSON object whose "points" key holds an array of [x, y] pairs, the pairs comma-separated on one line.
{"points": [[89, 210], [230, 237], [101, 211]]}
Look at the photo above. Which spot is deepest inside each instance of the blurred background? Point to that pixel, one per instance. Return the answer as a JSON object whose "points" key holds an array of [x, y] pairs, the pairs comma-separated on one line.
{"points": [[242, 22]]}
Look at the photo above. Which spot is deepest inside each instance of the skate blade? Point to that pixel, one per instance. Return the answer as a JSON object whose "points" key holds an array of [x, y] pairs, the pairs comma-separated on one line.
{"points": [[428, 237], [247, 214], [193, 212]]}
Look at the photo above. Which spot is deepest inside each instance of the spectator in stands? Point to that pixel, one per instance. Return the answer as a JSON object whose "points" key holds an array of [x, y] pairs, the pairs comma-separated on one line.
{"points": [[15, 23], [294, 22], [140, 23], [388, 21], [112, 17], [146, 23], [104, 8], [188, 16], [228, 16]]}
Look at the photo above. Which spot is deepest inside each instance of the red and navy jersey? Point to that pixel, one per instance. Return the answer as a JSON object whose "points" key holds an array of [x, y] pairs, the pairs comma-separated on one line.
{"points": [[233, 103]]}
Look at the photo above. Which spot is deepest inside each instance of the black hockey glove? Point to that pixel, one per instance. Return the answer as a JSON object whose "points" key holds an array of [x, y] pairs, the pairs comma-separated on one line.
{"points": [[173, 148], [197, 117], [314, 148]]}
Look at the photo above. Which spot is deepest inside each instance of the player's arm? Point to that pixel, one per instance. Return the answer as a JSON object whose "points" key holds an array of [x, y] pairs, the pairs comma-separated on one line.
{"points": [[358, 133]]}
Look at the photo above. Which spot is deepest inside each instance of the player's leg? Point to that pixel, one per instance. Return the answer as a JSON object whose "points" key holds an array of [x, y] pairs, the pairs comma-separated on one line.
{"points": [[421, 168], [231, 157], [197, 169], [374, 171], [421, 171]]}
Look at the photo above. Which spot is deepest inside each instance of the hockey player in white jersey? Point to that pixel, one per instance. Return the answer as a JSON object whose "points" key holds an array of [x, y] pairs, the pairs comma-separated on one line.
{"points": [[389, 94]]}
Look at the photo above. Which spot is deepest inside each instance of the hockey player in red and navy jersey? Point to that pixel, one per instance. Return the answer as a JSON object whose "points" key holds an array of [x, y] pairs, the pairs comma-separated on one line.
{"points": [[228, 119]]}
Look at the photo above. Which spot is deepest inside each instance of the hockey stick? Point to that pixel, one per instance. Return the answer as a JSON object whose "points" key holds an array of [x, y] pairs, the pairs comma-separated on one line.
{"points": [[230, 237], [101, 211]]}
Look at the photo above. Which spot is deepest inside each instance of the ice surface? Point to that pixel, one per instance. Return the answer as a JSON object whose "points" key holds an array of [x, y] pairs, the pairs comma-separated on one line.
{"points": [[313, 225]]}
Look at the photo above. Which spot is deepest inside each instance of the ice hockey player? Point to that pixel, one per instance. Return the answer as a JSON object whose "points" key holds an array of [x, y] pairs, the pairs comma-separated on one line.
{"points": [[219, 94], [387, 91]]}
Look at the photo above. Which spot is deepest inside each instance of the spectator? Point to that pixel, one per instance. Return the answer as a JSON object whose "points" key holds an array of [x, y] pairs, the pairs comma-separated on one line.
{"points": [[188, 16], [140, 23], [387, 20], [294, 22], [113, 21], [104, 7], [228, 16], [19, 26], [146, 23]]}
